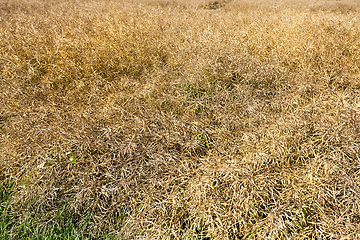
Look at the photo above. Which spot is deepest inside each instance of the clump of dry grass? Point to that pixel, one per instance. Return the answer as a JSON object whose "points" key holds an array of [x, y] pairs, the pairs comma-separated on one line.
{"points": [[179, 120]]}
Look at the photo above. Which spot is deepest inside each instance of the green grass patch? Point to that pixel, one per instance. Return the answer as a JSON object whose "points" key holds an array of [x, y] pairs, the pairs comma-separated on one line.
{"points": [[17, 224]]}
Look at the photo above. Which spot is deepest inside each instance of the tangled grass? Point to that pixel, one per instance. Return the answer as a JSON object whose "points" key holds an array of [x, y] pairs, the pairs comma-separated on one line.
{"points": [[180, 119]]}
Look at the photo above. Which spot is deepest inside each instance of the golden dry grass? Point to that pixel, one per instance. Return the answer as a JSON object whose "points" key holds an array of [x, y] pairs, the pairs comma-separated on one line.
{"points": [[184, 119]]}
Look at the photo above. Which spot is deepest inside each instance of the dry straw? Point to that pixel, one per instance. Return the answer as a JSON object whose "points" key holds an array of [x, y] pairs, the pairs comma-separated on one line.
{"points": [[184, 119]]}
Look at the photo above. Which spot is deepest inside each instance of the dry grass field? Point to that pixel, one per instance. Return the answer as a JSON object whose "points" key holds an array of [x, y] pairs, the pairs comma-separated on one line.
{"points": [[175, 119]]}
